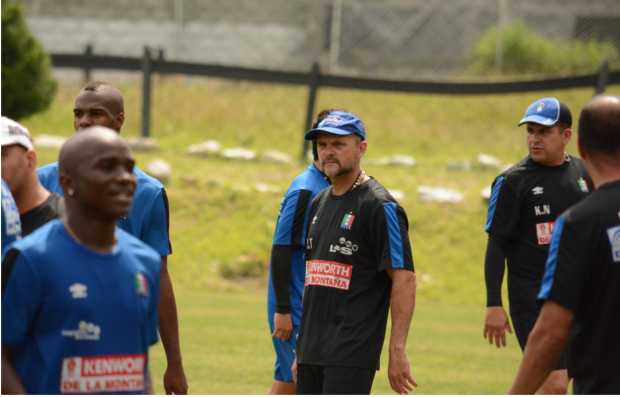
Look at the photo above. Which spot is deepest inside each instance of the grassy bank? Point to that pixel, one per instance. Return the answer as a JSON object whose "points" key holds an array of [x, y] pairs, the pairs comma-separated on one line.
{"points": [[218, 216]]}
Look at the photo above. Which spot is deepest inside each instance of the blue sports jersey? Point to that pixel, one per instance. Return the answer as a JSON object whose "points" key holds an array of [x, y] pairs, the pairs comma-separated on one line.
{"points": [[148, 215], [291, 231], [11, 225], [78, 321]]}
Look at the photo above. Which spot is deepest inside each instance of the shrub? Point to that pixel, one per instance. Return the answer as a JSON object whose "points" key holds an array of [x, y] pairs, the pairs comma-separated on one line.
{"points": [[526, 52], [27, 85], [245, 266]]}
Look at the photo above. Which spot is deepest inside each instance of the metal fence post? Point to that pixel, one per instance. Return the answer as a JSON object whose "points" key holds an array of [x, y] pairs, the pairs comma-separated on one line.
{"points": [[88, 52], [147, 68], [313, 86], [603, 78]]}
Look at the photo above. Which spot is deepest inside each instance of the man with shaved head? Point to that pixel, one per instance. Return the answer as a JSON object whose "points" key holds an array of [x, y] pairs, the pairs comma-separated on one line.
{"points": [[99, 103], [580, 292], [79, 295]]}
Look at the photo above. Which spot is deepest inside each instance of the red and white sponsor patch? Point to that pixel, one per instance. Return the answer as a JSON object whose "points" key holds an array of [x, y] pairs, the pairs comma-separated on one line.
{"points": [[99, 374], [544, 232], [328, 274]]}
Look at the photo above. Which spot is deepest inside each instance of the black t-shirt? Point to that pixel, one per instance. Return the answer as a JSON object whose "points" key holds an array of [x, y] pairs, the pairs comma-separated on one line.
{"points": [[351, 240], [583, 275], [50, 209], [525, 202]]}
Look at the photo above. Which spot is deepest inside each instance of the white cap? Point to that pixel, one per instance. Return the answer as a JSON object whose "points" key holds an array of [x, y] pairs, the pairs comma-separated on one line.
{"points": [[13, 133]]}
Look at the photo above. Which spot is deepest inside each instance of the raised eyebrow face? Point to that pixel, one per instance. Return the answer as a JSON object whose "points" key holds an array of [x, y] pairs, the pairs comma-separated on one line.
{"points": [[111, 158]]}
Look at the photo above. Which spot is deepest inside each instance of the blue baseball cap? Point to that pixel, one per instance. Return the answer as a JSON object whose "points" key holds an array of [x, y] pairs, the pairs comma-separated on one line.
{"points": [[547, 111], [339, 122]]}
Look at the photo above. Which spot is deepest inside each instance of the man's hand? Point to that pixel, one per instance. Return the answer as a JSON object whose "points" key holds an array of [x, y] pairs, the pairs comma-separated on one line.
{"points": [[174, 380], [283, 326], [495, 326], [399, 373]]}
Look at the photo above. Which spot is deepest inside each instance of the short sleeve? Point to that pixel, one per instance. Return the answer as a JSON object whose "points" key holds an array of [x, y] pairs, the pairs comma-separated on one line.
{"points": [[503, 210], [21, 297], [49, 178], [565, 270], [155, 231], [290, 229], [390, 237]]}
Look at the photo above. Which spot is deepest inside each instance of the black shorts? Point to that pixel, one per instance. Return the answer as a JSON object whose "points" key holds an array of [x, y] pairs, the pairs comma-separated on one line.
{"points": [[523, 323], [318, 379]]}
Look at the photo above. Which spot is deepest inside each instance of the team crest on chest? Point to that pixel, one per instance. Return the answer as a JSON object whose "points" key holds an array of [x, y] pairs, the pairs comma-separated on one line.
{"points": [[347, 221], [142, 285], [582, 185]]}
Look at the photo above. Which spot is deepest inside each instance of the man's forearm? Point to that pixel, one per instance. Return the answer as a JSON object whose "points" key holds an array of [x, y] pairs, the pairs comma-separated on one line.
{"points": [[281, 259], [11, 384], [168, 320], [494, 264], [402, 305]]}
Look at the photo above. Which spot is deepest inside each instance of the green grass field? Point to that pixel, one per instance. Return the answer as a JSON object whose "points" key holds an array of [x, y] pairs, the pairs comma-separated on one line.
{"points": [[217, 216]]}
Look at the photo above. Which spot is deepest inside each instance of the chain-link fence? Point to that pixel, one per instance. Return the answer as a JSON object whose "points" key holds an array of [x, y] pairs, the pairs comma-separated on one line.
{"points": [[390, 38]]}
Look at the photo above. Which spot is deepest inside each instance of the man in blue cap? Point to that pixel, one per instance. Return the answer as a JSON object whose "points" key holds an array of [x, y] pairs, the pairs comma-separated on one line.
{"points": [[525, 202], [579, 293], [358, 265]]}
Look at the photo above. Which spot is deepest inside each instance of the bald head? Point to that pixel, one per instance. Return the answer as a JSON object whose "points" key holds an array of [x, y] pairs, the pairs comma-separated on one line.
{"points": [[599, 127], [112, 97], [83, 146], [99, 103], [96, 174]]}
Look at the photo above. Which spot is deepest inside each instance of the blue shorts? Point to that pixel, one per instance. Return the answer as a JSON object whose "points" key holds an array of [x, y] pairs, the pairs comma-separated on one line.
{"points": [[285, 353]]}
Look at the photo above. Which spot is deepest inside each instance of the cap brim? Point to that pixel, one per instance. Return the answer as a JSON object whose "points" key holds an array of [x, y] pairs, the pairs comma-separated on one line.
{"points": [[327, 130], [11, 141], [546, 121]]}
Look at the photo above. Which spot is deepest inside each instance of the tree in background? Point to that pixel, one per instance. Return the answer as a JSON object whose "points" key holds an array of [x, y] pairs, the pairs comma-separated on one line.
{"points": [[27, 83], [525, 52]]}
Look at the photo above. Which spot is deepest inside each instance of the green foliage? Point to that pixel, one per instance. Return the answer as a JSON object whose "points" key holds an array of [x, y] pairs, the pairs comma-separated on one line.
{"points": [[245, 266], [217, 215], [27, 84], [527, 52]]}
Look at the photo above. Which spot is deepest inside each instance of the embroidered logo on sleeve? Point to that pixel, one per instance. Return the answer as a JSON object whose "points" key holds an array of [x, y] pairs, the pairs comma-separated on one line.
{"points": [[544, 232], [328, 274], [614, 241], [103, 374], [582, 185]]}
